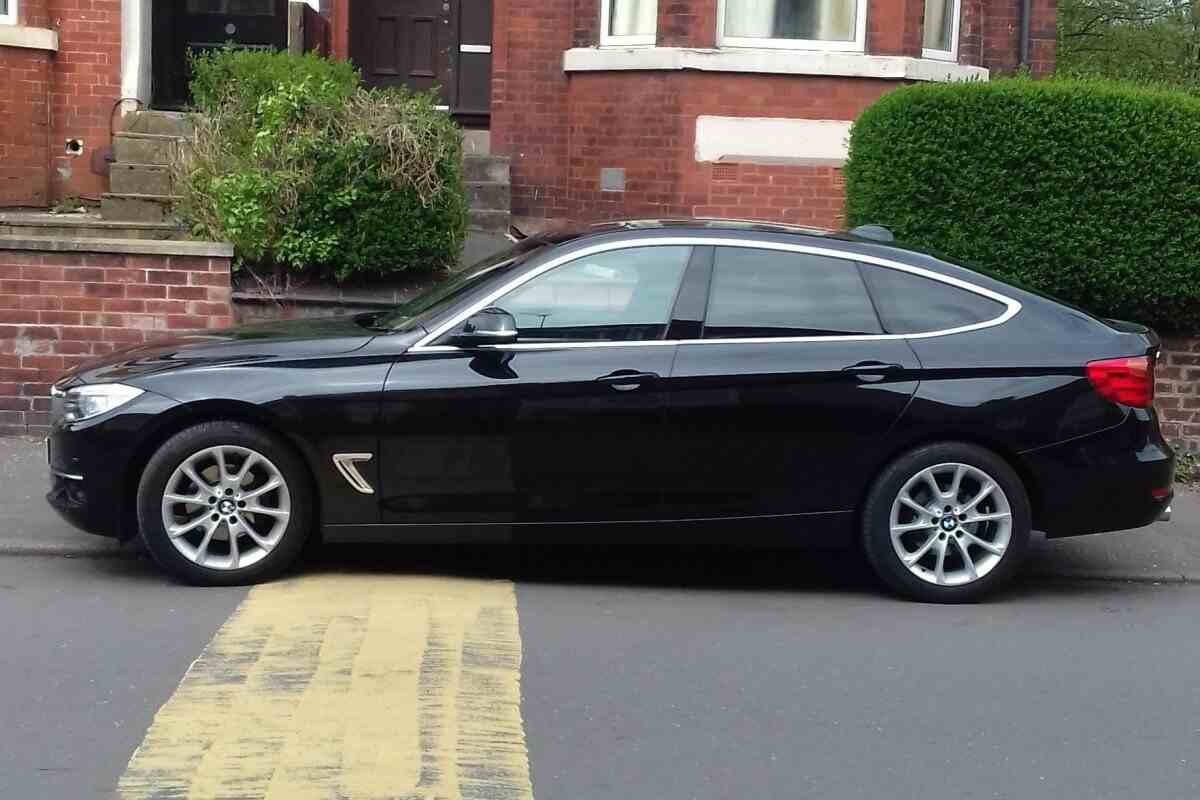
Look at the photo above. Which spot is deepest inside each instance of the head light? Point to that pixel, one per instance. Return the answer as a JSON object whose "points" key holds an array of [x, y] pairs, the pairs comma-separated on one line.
{"points": [[90, 400]]}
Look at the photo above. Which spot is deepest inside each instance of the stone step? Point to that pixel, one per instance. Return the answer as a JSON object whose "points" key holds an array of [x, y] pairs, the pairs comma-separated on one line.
{"points": [[486, 168], [489, 195], [489, 219], [137, 207], [144, 148], [84, 226], [140, 179], [162, 123]]}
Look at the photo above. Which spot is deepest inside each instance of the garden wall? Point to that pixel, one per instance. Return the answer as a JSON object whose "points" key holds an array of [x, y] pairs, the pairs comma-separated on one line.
{"points": [[66, 301], [1177, 392]]}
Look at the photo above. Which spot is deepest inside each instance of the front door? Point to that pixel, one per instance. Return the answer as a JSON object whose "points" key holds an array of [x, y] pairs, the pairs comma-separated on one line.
{"points": [[427, 45], [567, 425], [200, 25]]}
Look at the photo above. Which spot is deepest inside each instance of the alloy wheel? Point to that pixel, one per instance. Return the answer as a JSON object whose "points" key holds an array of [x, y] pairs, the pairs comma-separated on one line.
{"points": [[226, 507], [951, 524]]}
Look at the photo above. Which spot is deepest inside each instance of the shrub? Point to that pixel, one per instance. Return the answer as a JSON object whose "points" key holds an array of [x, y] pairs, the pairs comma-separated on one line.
{"points": [[304, 170], [1084, 189]]}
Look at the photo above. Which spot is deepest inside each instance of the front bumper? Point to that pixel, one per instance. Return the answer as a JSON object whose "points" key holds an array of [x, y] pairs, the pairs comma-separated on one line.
{"points": [[1115, 480], [95, 466]]}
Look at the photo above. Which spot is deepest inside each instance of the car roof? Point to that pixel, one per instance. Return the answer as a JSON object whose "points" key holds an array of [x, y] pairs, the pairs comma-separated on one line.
{"points": [[712, 225]]}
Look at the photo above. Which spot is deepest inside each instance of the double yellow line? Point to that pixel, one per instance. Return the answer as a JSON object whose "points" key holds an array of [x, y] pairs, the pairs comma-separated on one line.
{"points": [[355, 686]]}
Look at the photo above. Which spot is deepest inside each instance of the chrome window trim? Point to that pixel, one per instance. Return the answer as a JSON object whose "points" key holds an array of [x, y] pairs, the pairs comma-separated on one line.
{"points": [[1012, 307]]}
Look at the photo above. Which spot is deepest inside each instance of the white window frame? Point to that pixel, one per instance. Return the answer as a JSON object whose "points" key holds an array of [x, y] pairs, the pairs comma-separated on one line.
{"points": [[639, 40], [857, 45], [952, 53], [10, 18]]}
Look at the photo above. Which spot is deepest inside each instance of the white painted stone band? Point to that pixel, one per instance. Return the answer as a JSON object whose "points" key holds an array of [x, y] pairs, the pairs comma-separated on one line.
{"points": [[824, 141], [30, 38], [775, 62]]}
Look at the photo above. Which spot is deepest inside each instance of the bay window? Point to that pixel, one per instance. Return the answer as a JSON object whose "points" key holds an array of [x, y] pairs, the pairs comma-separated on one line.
{"points": [[628, 22], [794, 24], [941, 29]]}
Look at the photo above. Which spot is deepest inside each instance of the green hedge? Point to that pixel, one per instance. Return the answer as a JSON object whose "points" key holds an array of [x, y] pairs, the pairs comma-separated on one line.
{"points": [[297, 165], [1086, 190]]}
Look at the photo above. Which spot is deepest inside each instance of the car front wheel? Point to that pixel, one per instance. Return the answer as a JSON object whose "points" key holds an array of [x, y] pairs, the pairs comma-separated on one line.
{"points": [[224, 503], [947, 523]]}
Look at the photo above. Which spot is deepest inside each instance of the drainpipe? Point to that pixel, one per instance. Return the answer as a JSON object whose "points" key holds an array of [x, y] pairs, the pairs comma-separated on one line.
{"points": [[1026, 21]]}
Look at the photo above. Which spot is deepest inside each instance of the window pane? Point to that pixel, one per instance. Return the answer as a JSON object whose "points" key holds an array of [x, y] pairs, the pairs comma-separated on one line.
{"points": [[939, 24], [632, 17], [824, 20], [769, 293], [3, 7], [909, 303], [621, 295]]}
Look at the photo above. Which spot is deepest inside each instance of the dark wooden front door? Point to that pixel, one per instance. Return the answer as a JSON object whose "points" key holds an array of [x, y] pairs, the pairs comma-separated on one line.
{"points": [[200, 25], [442, 45]]}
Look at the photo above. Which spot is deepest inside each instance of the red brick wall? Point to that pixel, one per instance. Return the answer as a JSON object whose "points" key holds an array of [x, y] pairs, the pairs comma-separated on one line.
{"points": [[59, 309], [1177, 392], [47, 98], [25, 134]]}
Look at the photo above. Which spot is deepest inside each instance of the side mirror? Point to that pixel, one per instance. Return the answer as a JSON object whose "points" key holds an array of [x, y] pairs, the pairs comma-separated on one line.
{"points": [[489, 326]]}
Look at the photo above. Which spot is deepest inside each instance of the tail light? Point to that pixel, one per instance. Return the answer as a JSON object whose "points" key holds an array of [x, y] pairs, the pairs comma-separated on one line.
{"points": [[1128, 381]]}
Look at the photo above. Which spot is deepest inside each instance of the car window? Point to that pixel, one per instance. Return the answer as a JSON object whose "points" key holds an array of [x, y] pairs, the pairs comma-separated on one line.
{"points": [[772, 293], [618, 295], [909, 303]]}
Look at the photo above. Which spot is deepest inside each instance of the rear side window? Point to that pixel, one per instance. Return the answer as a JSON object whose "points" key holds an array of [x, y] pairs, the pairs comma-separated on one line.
{"points": [[762, 293], [909, 303]]}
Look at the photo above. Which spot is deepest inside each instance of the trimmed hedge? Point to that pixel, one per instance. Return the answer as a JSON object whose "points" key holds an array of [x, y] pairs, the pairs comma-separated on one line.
{"points": [[299, 166], [1087, 190]]}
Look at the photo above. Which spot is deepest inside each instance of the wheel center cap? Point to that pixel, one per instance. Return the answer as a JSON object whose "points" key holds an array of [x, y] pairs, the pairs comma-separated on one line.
{"points": [[226, 506], [948, 523]]}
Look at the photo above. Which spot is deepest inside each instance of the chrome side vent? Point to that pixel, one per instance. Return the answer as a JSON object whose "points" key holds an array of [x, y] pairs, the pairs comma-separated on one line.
{"points": [[347, 464]]}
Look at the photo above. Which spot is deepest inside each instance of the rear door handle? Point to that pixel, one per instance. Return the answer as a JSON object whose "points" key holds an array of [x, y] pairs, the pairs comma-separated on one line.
{"points": [[872, 370], [626, 380]]}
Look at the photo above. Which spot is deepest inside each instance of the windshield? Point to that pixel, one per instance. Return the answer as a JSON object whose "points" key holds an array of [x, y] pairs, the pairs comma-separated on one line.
{"points": [[425, 305]]}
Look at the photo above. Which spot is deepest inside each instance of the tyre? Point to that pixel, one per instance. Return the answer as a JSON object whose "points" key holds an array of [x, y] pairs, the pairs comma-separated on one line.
{"points": [[946, 523], [225, 504]]}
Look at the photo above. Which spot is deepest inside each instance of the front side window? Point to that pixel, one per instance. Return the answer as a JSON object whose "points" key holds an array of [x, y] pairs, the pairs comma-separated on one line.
{"points": [[765, 293], [941, 29], [628, 22], [797, 24], [8, 12], [618, 295], [911, 303]]}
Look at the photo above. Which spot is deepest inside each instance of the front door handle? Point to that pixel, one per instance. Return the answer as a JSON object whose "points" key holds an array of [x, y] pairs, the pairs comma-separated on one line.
{"points": [[626, 380], [872, 370]]}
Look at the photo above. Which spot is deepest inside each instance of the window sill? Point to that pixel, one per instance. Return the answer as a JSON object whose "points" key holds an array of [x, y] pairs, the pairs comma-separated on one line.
{"points": [[775, 62], [31, 38]]}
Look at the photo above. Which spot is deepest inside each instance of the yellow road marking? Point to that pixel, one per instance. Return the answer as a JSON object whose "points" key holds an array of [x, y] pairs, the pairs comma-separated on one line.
{"points": [[348, 686]]}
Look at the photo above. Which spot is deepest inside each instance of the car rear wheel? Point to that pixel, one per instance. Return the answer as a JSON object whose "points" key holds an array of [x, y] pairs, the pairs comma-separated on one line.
{"points": [[224, 503], [946, 523]]}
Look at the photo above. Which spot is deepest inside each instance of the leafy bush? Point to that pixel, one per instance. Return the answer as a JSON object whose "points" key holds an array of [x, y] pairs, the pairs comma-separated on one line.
{"points": [[232, 74], [1088, 190], [304, 169]]}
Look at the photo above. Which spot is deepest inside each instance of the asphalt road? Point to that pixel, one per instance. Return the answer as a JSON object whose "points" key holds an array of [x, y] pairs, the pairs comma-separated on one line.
{"points": [[667, 674]]}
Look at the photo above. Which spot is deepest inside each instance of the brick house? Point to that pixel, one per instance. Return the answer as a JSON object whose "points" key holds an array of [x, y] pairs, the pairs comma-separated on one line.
{"points": [[606, 108]]}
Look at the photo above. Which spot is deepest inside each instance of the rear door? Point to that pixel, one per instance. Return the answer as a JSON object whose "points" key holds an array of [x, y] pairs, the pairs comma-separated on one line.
{"points": [[783, 401]]}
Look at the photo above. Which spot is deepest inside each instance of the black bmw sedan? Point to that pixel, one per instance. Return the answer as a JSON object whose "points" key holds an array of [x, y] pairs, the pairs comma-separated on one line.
{"points": [[644, 380]]}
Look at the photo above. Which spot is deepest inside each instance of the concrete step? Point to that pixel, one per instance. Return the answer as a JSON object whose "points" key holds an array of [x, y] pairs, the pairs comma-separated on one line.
{"points": [[162, 123], [477, 142], [137, 207], [489, 219], [489, 195], [140, 179], [486, 168], [144, 148], [84, 226]]}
